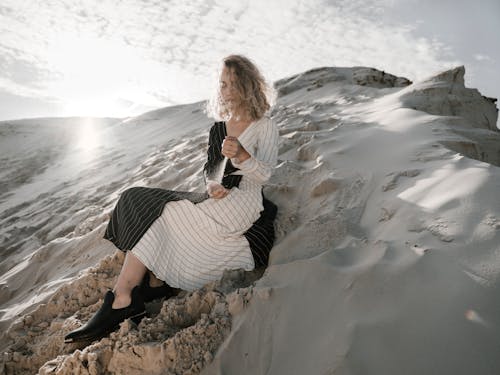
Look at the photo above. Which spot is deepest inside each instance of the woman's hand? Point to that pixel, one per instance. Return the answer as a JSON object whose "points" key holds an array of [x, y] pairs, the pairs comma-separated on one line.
{"points": [[231, 148], [216, 191]]}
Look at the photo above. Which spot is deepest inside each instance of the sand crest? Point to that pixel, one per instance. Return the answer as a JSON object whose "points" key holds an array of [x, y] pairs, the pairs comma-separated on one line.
{"points": [[386, 259]]}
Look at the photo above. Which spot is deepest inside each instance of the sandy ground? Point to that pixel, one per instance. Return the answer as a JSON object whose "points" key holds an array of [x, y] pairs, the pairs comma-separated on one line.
{"points": [[387, 257]]}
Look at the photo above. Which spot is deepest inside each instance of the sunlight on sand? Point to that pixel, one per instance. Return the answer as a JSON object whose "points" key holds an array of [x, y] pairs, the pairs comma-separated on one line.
{"points": [[445, 185], [88, 136]]}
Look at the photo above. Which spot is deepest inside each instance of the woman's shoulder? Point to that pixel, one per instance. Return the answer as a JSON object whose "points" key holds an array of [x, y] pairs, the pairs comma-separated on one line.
{"points": [[266, 123], [265, 120]]}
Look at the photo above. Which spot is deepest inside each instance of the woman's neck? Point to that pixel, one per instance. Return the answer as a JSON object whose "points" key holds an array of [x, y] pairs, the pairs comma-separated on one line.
{"points": [[240, 116], [236, 125]]}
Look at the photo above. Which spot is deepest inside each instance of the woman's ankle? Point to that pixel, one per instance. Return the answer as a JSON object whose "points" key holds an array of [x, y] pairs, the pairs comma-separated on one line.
{"points": [[122, 299]]}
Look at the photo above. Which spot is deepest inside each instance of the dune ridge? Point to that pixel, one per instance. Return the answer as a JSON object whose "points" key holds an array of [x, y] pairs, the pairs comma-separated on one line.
{"points": [[386, 259]]}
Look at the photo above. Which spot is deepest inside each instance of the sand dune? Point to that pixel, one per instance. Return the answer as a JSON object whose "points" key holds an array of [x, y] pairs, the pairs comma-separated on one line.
{"points": [[387, 257]]}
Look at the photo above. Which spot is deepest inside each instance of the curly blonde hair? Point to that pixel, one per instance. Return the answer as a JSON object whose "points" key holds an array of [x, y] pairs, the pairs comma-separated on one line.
{"points": [[256, 95]]}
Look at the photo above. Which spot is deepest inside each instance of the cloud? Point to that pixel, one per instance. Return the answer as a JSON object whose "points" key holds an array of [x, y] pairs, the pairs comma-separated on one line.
{"points": [[481, 57], [167, 51]]}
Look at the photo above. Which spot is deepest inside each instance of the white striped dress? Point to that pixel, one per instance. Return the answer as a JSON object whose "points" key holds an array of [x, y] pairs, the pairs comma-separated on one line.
{"points": [[191, 244]]}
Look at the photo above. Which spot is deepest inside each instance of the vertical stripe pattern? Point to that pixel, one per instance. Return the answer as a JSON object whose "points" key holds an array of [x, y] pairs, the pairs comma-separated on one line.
{"points": [[188, 239]]}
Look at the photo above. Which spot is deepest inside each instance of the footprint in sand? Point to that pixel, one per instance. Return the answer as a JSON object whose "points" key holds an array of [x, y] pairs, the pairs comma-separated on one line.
{"points": [[326, 186], [306, 152], [395, 176], [386, 214], [441, 229]]}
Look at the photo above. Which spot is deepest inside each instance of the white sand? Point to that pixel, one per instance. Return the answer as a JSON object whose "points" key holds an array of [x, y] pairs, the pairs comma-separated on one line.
{"points": [[387, 257]]}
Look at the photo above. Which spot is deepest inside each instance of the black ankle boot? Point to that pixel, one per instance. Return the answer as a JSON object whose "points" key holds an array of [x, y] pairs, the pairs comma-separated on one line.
{"points": [[151, 293], [107, 319]]}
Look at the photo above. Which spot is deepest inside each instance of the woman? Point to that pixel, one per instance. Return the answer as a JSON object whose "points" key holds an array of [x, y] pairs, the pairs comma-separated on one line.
{"points": [[187, 239]]}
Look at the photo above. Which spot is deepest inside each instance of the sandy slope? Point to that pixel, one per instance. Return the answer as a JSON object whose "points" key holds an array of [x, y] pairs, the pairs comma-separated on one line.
{"points": [[386, 262]]}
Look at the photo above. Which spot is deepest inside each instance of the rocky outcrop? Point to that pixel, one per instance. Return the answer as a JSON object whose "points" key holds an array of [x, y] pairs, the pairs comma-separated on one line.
{"points": [[375, 78], [178, 336], [445, 94], [467, 122], [316, 78]]}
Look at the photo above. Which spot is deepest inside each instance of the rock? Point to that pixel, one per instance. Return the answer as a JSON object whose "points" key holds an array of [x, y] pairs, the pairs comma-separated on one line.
{"points": [[444, 94], [319, 77], [375, 78], [235, 303]]}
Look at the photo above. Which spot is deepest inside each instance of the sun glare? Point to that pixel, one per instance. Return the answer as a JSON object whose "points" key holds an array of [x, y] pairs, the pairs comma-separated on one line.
{"points": [[106, 77], [88, 135], [91, 73], [97, 107]]}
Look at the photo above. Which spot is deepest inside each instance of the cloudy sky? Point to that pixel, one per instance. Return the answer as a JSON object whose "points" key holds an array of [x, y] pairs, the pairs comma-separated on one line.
{"points": [[123, 57]]}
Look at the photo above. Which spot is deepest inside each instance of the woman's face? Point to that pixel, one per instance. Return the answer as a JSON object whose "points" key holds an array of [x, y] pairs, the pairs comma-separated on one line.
{"points": [[228, 89]]}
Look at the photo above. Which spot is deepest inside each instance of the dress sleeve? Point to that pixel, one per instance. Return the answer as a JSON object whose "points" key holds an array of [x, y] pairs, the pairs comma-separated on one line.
{"points": [[263, 150]]}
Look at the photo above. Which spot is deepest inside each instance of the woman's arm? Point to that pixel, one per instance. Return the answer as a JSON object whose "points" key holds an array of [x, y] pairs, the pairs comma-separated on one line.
{"points": [[260, 164]]}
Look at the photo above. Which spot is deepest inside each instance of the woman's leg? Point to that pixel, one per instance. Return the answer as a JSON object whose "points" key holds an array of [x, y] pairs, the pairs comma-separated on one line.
{"points": [[117, 305], [131, 274]]}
